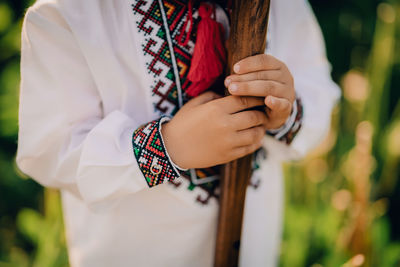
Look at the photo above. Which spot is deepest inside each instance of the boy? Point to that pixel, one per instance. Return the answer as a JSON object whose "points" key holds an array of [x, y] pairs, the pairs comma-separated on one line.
{"points": [[106, 117]]}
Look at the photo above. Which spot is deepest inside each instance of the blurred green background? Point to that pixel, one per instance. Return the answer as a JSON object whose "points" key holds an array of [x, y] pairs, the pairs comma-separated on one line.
{"points": [[342, 201]]}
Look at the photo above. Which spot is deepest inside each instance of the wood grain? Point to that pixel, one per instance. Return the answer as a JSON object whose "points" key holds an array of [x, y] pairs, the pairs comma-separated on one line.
{"points": [[248, 28]]}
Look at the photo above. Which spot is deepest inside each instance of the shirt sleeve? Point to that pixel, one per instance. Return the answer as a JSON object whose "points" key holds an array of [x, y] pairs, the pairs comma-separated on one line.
{"points": [[151, 154], [65, 141], [299, 43]]}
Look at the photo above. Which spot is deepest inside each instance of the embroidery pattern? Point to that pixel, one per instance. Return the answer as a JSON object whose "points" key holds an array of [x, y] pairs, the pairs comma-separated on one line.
{"points": [[151, 155], [157, 54], [211, 187], [159, 65]]}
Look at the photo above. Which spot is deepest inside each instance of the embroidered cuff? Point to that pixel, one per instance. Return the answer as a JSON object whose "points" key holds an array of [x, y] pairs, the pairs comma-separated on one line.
{"points": [[151, 154], [288, 131]]}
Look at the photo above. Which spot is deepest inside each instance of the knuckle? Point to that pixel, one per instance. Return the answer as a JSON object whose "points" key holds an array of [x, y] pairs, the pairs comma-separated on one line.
{"points": [[261, 75], [271, 86], [214, 108], [281, 75], [252, 117], [243, 87], [236, 78], [264, 59]]}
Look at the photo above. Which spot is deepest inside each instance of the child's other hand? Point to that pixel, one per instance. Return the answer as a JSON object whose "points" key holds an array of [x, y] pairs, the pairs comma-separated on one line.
{"points": [[210, 130], [265, 76]]}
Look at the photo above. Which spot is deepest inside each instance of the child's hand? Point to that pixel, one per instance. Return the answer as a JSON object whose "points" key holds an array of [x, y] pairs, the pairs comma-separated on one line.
{"points": [[265, 76], [210, 130]]}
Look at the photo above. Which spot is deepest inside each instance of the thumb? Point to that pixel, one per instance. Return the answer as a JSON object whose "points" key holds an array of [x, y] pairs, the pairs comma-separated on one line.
{"points": [[277, 104], [202, 99]]}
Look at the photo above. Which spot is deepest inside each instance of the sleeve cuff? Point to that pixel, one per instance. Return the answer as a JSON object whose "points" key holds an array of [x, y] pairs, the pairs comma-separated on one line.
{"points": [[151, 154], [288, 131]]}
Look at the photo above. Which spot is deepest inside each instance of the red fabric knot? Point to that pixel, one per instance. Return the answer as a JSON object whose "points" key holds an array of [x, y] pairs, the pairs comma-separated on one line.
{"points": [[209, 56], [206, 10]]}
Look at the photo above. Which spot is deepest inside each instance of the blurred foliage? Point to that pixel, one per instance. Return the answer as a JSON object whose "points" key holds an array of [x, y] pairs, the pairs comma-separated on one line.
{"points": [[341, 201], [31, 226]]}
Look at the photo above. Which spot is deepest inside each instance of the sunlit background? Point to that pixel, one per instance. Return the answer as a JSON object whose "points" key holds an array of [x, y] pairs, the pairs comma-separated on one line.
{"points": [[342, 201]]}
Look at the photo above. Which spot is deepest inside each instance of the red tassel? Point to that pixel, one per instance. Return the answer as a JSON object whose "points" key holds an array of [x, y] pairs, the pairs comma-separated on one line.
{"points": [[209, 54]]}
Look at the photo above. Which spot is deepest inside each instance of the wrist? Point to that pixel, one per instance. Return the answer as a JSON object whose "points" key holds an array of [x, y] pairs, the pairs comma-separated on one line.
{"points": [[172, 147]]}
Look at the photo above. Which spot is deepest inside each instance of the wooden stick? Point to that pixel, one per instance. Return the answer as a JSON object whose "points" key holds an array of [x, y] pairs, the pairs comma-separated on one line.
{"points": [[249, 21]]}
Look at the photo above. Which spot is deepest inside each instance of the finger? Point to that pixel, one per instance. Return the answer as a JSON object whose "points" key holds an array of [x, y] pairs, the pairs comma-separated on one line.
{"points": [[277, 104], [248, 119], [257, 88], [273, 75], [202, 99], [233, 104], [257, 63], [278, 112], [240, 152], [250, 136]]}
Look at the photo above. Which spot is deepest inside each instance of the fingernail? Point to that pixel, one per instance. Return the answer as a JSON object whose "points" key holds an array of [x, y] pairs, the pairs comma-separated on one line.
{"points": [[227, 82], [236, 68], [272, 100], [233, 88]]}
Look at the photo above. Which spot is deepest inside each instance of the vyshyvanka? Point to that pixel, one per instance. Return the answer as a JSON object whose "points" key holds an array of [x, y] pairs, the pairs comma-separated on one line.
{"points": [[98, 80]]}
